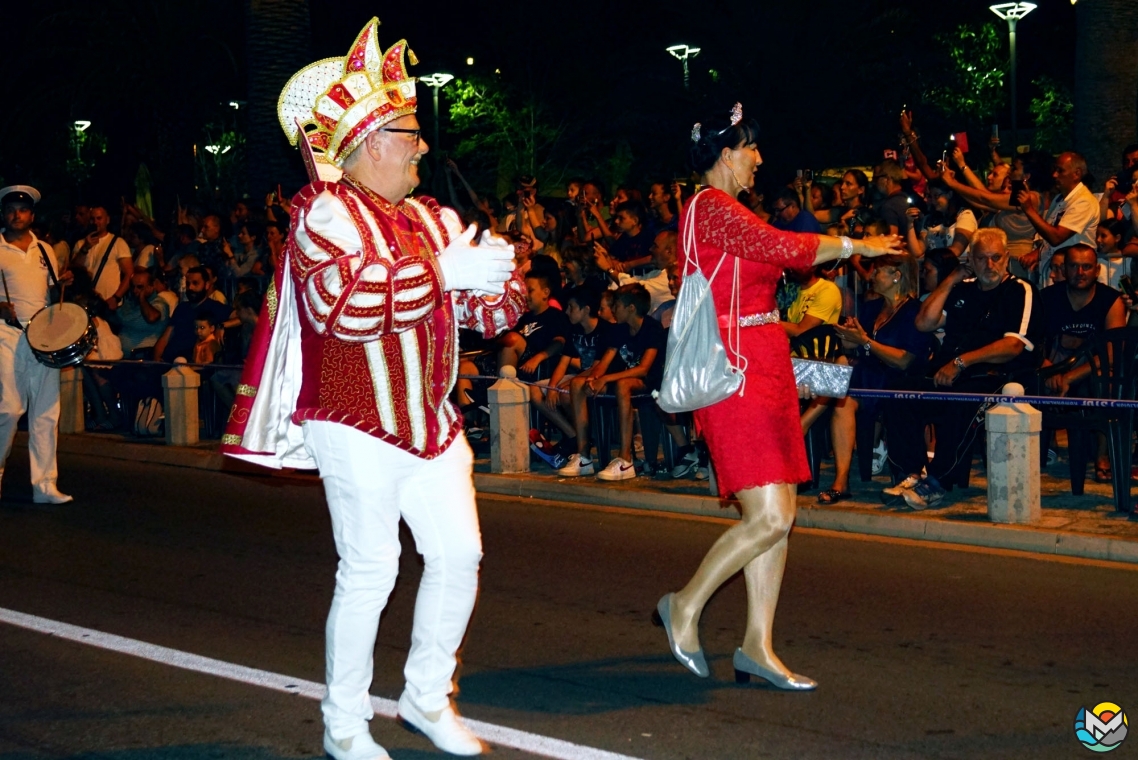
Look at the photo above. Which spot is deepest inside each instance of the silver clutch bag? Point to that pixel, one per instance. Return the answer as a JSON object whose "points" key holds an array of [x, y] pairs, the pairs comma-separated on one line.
{"points": [[823, 378]]}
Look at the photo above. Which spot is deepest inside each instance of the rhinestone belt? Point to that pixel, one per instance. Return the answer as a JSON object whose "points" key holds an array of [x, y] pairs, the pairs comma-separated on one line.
{"points": [[751, 320]]}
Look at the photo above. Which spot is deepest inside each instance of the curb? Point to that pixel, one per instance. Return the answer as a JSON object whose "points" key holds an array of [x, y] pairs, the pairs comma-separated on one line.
{"points": [[987, 535]]}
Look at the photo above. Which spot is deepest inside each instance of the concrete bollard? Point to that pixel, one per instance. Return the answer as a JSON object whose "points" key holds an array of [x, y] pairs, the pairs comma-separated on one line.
{"points": [[71, 415], [180, 406], [1013, 460], [509, 423]]}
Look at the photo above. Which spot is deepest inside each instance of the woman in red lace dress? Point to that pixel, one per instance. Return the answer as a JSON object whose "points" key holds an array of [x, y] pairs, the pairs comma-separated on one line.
{"points": [[754, 436]]}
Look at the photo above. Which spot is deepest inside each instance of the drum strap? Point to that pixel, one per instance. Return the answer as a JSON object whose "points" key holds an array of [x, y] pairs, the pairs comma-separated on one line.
{"points": [[47, 263], [103, 263]]}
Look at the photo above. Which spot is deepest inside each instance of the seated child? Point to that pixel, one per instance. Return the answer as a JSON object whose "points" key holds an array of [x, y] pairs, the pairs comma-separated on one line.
{"points": [[207, 347], [588, 340], [538, 336], [632, 364]]}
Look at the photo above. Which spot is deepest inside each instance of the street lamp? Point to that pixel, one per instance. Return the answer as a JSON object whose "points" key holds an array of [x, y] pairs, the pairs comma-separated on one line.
{"points": [[683, 53], [1013, 12], [81, 126], [436, 81]]}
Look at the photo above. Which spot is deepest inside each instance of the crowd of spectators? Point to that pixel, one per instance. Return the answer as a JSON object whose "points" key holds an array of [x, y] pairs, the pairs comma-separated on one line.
{"points": [[1012, 264]]}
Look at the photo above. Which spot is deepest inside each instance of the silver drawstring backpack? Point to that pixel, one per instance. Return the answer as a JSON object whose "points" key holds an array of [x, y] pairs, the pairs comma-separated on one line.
{"points": [[697, 371]]}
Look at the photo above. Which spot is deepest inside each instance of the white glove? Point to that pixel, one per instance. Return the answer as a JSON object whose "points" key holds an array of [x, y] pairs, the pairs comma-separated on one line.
{"points": [[484, 267]]}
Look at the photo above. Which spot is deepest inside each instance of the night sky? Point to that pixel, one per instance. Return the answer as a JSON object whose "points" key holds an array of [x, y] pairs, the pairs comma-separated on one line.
{"points": [[824, 78]]}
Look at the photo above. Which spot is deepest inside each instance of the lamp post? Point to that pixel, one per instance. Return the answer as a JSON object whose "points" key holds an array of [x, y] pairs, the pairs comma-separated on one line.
{"points": [[81, 126], [1013, 12], [436, 81], [683, 53]]}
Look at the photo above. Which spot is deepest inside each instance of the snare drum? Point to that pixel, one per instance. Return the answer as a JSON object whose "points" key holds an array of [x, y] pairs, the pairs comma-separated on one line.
{"points": [[61, 335]]}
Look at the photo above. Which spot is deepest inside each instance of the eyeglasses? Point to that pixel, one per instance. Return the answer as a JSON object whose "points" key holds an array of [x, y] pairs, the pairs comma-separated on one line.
{"points": [[417, 132], [780, 209]]}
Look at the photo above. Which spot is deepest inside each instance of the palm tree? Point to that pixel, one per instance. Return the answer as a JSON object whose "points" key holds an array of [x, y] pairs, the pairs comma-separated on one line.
{"points": [[277, 45], [1106, 81]]}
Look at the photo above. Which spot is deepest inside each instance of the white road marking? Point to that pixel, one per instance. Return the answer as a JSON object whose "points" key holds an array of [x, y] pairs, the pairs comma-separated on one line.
{"points": [[536, 744]]}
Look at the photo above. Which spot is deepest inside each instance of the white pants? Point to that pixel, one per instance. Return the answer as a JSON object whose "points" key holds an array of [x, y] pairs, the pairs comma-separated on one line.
{"points": [[28, 386], [369, 485]]}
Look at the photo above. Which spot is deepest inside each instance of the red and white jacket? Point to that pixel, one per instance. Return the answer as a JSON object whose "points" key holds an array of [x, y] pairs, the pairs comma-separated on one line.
{"points": [[377, 334]]}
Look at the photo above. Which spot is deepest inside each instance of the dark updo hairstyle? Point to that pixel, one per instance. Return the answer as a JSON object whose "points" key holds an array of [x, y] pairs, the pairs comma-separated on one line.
{"points": [[717, 134]]}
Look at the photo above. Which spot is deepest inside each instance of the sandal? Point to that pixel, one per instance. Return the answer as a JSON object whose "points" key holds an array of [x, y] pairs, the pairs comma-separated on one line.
{"points": [[1102, 474], [833, 496]]}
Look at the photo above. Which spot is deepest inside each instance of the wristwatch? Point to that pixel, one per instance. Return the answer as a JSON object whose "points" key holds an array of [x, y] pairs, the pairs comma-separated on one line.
{"points": [[958, 363], [866, 346]]}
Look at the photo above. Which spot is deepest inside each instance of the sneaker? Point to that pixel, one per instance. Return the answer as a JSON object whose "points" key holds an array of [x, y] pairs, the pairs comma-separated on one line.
{"points": [[618, 469], [927, 493], [643, 467], [576, 466], [687, 465], [892, 492], [545, 450], [880, 455]]}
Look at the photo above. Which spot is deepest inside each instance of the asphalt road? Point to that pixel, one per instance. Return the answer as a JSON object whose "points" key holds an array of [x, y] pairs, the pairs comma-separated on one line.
{"points": [[920, 651]]}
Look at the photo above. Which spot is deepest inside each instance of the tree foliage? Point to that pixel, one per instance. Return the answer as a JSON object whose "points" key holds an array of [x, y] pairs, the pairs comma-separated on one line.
{"points": [[1052, 112], [506, 132], [972, 82]]}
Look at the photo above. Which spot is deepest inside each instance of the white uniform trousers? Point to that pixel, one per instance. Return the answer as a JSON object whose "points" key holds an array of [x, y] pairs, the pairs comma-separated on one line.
{"points": [[28, 386], [369, 485]]}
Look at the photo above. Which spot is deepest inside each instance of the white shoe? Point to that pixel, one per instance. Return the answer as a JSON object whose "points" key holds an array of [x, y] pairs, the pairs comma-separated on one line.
{"points": [[880, 454], [618, 469], [47, 493], [359, 747], [444, 730], [576, 466]]}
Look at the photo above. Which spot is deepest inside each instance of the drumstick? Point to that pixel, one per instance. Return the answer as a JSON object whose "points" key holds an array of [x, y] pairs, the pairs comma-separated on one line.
{"points": [[50, 313], [7, 298]]}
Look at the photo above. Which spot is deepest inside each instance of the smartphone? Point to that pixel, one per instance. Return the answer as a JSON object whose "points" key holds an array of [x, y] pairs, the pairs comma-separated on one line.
{"points": [[1017, 186], [996, 131], [1127, 286], [808, 175]]}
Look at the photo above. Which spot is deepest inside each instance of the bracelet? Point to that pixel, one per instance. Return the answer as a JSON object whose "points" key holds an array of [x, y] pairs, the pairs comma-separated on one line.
{"points": [[847, 247]]}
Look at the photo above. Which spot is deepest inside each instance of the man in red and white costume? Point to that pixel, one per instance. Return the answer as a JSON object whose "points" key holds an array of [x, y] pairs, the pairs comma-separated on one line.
{"points": [[352, 364]]}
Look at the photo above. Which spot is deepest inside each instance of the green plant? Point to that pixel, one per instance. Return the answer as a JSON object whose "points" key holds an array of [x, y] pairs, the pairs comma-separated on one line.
{"points": [[509, 132], [972, 84], [1052, 113]]}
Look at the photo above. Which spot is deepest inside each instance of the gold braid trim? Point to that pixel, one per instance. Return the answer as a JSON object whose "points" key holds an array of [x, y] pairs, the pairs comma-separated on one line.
{"points": [[229, 439], [244, 389]]}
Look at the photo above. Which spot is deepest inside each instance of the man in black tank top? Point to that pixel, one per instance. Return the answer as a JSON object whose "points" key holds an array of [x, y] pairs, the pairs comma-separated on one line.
{"points": [[1074, 312]]}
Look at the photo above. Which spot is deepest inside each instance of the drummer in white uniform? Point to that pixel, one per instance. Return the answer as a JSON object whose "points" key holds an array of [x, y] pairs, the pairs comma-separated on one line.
{"points": [[25, 383]]}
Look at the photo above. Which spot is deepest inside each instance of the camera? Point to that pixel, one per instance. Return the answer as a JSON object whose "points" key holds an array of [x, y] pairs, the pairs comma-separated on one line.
{"points": [[806, 175], [861, 216], [1125, 180]]}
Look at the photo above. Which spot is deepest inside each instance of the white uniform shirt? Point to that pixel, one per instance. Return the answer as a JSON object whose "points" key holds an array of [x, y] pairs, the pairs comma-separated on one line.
{"points": [[111, 277], [1078, 212], [25, 274], [655, 282]]}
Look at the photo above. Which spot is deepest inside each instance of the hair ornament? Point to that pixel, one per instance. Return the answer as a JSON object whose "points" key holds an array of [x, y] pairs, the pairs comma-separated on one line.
{"points": [[695, 132], [736, 114]]}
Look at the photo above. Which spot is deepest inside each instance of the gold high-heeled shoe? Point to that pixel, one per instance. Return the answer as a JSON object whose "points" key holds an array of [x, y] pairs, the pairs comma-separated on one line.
{"points": [[745, 667]]}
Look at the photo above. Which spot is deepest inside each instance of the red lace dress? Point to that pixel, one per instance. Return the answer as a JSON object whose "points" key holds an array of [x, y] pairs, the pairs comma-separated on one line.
{"points": [[754, 437]]}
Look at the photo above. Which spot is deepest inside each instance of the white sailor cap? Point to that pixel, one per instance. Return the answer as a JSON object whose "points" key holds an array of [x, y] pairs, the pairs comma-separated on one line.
{"points": [[16, 193]]}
